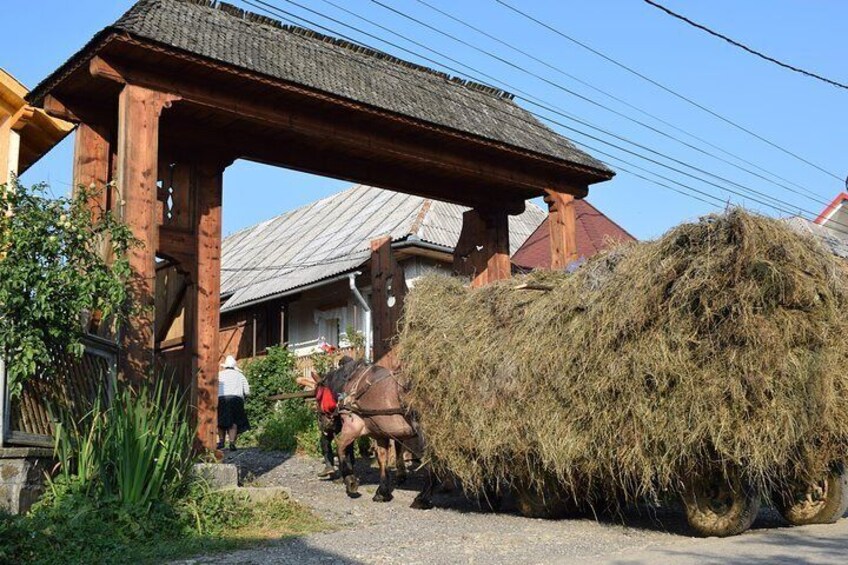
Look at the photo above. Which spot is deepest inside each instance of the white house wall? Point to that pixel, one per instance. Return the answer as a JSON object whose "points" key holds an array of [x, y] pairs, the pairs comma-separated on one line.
{"points": [[307, 317]]}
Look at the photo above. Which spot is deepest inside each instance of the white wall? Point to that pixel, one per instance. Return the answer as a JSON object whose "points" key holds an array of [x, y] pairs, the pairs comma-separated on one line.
{"points": [[310, 319]]}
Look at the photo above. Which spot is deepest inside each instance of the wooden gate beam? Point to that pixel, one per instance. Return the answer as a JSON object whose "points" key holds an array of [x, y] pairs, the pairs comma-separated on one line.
{"points": [[139, 110], [387, 281], [563, 229], [482, 251], [206, 300], [92, 164]]}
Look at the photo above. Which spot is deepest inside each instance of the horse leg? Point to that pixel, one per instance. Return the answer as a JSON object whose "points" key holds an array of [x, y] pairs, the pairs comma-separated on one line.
{"points": [[424, 500], [327, 453], [384, 491], [400, 463], [352, 428]]}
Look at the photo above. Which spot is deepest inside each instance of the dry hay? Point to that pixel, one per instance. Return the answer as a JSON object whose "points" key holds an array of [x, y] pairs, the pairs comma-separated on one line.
{"points": [[722, 344]]}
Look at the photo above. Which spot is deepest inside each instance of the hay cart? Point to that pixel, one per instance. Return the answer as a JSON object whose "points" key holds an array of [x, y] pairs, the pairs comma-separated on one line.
{"points": [[707, 366]]}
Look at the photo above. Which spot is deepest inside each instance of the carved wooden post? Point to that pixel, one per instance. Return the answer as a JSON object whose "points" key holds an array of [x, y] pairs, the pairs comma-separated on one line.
{"points": [[482, 251], [388, 289], [563, 229], [137, 157], [92, 163], [207, 300]]}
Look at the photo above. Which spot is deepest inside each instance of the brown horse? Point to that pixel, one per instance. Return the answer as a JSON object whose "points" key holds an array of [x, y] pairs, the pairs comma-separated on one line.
{"points": [[371, 405]]}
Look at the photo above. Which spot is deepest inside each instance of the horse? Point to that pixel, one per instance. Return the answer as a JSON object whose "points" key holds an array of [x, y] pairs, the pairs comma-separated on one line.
{"points": [[370, 404]]}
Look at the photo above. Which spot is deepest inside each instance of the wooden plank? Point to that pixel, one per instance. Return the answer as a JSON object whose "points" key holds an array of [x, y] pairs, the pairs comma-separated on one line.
{"points": [[563, 229], [92, 154], [380, 314], [207, 296], [5, 144], [28, 439], [338, 127], [137, 168], [388, 291], [482, 251]]}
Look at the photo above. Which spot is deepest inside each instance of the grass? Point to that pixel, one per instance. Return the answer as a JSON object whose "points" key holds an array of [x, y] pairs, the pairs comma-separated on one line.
{"points": [[79, 531]]}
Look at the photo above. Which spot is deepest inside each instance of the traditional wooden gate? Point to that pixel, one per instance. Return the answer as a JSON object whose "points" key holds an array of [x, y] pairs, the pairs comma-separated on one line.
{"points": [[196, 84]]}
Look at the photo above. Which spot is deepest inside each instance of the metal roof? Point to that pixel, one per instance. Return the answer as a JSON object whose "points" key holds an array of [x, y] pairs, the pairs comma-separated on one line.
{"points": [[833, 241], [333, 235], [227, 34]]}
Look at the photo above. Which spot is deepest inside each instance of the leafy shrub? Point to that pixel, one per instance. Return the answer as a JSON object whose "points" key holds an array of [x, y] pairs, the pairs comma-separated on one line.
{"points": [[53, 269], [291, 427], [269, 375], [277, 425], [76, 528]]}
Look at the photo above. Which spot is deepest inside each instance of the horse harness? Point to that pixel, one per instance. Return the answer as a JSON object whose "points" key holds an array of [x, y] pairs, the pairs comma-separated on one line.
{"points": [[350, 402]]}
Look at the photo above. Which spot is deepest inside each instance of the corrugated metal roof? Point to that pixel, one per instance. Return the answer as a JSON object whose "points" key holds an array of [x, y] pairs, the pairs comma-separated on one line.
{"points": [[837, 244], [333, 235]]}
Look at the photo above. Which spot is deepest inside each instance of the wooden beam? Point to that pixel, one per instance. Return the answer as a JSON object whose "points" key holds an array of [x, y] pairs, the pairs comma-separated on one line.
{"points": [[209, 186], [92, 164], [5, 145], [137, 166], [319, 123], [388, 291], [562, 224], [55, 108], [482, 251]]}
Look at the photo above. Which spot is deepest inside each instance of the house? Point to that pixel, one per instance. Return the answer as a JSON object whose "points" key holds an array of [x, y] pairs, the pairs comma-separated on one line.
{"points": [[594, 233], [26, 133], [298, 278]]}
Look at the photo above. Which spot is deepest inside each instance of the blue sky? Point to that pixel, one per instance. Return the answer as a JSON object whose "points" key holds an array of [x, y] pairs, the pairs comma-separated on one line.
{"points": [[797, 113]]}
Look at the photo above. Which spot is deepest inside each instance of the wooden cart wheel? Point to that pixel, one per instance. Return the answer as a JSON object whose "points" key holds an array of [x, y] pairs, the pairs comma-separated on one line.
{"points": [[822, 502], [532, 503], [720, 506]]}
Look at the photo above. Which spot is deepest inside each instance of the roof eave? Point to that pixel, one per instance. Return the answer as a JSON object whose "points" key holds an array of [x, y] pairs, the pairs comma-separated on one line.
{"points": [[109, 34]]}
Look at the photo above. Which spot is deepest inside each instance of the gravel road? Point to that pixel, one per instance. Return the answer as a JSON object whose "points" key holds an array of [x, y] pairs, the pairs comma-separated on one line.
{"points": [[457, 531]]}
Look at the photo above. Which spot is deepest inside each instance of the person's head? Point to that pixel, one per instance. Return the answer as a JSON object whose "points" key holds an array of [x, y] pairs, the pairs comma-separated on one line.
{"points": [[230, 363]]}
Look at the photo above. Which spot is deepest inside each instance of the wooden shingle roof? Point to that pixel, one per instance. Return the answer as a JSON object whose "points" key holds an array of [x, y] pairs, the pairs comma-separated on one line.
{"points": [[228, 35]]}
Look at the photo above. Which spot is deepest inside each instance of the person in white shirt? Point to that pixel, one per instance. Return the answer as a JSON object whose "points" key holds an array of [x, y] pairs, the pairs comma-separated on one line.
{"points": [[232, 388]]}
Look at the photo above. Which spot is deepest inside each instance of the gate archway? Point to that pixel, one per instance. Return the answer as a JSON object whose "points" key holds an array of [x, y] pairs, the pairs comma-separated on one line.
{"points": [[176, 90]]}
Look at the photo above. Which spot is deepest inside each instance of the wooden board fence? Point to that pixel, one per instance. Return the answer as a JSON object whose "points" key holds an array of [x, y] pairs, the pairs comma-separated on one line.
{"points": [[75, 383]]}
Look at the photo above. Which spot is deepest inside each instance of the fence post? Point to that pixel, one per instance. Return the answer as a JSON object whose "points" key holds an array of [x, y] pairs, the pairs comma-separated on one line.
{"points": [[5, 405]]}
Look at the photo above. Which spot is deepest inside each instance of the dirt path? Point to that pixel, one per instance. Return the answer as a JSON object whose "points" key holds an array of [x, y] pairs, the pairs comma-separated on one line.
{"points": [[456, 531]]}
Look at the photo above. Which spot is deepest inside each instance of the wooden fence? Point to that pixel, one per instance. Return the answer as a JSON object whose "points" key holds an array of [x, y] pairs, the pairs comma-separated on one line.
{"points": [[26, 419]]}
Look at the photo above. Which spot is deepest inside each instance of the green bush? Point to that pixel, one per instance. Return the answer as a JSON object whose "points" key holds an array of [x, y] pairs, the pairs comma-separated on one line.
{"points": [[52, 270], [278, 425], [77, 529]]}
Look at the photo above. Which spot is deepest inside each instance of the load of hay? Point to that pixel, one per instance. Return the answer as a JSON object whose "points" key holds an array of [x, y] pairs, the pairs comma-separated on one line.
{"points": [[722, 344]]}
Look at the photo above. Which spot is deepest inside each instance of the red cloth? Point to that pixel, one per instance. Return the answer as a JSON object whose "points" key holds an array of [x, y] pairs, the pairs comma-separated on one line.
{"points": [[326, 400]]}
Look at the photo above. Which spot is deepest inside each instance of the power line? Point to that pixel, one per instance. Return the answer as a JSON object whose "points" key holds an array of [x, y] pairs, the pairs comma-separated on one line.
{"points": [[555, 85], [293, 18], [611, 96], [548, 108], [559, 111], [744, 47], [667, 89], [768, 204]]}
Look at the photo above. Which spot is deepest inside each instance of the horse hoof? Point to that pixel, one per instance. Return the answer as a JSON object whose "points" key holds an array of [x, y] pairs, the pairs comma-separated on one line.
{"points": [[351, 485], [380, 497], [421, 504]]}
